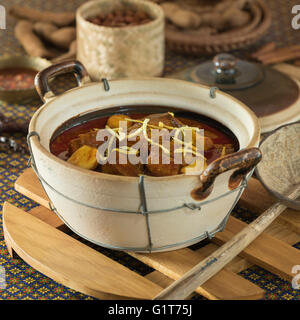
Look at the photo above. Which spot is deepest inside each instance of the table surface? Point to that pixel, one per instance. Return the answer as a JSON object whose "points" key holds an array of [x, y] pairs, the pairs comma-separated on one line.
{"points": [[23, 282]]}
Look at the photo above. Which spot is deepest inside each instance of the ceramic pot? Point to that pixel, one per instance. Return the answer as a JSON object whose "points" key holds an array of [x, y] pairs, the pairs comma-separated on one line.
{"points": [[147, 213]]}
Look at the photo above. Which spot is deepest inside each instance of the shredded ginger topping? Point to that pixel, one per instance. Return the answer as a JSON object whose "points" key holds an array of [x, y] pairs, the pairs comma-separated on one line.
{"points": [[187, 147]]}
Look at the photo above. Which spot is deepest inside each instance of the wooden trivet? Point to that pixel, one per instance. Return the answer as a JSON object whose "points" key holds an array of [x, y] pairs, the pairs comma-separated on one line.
{"points": [[42, 240]]}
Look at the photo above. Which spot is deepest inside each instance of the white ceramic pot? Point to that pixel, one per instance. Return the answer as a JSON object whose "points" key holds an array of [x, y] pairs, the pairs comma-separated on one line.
{"points": [[114, 53], [90, 202]]}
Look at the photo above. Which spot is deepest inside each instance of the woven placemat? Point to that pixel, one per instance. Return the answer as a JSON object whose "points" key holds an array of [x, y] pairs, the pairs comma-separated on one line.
{"points": [[23, 282]]}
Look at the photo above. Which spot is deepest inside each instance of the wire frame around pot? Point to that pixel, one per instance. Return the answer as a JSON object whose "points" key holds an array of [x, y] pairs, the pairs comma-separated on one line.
{"points": [[143, 209]]}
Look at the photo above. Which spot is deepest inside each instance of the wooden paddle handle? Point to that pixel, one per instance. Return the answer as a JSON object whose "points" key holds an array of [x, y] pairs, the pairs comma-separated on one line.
{"points": [[207, 268]]}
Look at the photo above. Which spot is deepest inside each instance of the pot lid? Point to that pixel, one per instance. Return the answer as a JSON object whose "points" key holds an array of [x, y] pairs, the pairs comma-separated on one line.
{"points": [[228, 73], [272, 95]]}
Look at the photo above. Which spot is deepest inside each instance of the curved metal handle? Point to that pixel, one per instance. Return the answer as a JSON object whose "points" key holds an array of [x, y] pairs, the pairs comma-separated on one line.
{"points": [[42, 78], [244, 161]]}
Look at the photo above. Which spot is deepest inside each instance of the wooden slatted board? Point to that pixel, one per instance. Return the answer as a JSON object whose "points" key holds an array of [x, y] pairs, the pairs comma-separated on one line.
{"points": [[41, 239]]}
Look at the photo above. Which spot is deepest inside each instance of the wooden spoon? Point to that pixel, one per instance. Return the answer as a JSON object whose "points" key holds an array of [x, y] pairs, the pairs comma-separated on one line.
{"points": [[207, 268]]}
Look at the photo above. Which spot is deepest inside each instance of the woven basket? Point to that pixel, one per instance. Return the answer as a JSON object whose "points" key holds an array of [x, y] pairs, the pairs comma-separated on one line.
{"points": [[115, 53], [182, 42]]}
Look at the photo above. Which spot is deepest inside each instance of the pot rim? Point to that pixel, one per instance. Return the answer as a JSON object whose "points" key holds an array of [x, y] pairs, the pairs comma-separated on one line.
{"points": [[93, 174]]}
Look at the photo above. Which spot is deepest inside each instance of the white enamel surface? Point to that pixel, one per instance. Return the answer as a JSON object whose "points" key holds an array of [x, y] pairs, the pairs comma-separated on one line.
{"points": [[122, 193]]}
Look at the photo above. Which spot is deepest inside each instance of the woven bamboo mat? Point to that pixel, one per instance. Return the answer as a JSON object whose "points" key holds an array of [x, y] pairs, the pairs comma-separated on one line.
{"points": [[22, 281]]}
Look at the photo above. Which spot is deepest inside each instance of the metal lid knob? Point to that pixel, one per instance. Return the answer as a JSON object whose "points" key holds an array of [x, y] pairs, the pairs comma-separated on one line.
{"points": [[224, 62], [225, 68]]}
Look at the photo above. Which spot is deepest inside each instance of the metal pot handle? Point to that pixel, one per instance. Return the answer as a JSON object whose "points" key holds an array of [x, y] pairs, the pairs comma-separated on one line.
{"points": [[72, 66], [244, 161]]}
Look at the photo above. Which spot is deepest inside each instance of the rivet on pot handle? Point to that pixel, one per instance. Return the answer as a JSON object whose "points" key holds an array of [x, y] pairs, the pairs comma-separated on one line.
{"points": [[72, 66], [244, 161]]}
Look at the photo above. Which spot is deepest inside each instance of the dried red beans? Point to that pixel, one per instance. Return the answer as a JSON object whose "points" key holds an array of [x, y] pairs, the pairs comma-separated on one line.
{"points": [[17, 78], [121, 18]]}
